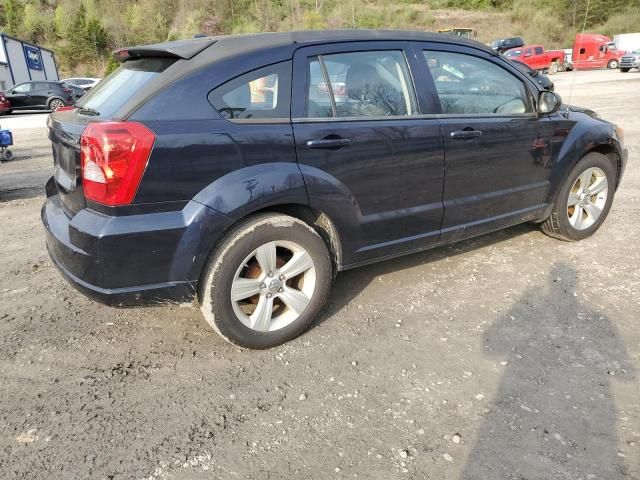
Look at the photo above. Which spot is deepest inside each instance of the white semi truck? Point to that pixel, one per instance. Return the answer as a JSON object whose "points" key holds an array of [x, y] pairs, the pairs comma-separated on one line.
{"points": [[627, 42]]}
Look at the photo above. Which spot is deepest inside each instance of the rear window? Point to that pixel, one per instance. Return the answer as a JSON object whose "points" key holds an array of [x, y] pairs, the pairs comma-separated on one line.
{"points": [[127, 81]]}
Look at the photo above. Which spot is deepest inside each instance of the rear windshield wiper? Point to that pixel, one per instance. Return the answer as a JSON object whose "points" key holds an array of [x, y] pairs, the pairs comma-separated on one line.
{"points": [[88, 111]]}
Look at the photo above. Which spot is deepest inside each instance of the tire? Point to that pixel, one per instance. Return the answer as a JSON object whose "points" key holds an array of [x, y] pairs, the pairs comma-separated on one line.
{"points": [[576, 223], [624, 70], [612, 64], [235, 261], [7, 155], [554, 68], [55, 103]]}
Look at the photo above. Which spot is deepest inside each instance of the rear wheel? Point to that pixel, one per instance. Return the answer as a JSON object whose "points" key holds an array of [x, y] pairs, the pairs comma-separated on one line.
{"points": [[267, 281], [612, 64], [7, 154], [554, 68], [55, 104], [584, 200]]}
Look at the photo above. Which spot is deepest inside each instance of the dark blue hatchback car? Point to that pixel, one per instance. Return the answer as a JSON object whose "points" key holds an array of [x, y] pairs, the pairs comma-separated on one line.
{"points": [[246, 171]]}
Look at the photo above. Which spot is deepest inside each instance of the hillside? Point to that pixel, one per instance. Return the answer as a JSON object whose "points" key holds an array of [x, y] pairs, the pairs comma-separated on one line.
{"points": [[84, 32]]}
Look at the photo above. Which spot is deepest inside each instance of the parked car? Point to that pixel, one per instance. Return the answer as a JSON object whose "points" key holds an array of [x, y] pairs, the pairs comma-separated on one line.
{"points": [[595, 51], [5, 104], [77, 91], [40, 96], [501, 46], [544, 81], [537, 58], [630, 60], [210, 174], [85, 84]]}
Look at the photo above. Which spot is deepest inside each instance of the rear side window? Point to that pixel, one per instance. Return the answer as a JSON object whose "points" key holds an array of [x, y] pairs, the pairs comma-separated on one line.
{"points": [[119, 87], [360, 84], [264, 93], [538, 50]]}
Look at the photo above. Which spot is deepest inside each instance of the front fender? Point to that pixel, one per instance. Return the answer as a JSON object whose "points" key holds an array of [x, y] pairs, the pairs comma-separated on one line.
{"points": [[582, 134]]}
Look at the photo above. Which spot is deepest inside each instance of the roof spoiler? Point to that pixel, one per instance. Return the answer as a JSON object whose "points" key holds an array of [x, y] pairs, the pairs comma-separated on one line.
{"points": [[184, 49]]}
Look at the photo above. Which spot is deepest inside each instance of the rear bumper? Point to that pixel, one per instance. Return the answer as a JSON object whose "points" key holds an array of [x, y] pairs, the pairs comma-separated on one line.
{"points": [[132, 260]]}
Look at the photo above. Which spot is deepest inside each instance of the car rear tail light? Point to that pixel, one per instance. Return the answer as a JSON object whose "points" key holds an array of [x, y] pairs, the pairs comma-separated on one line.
{"points": [[113, 156]]}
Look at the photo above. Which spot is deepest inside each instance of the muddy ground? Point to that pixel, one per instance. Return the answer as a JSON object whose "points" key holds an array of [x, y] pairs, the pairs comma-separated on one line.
{"points": [[510, 356]]}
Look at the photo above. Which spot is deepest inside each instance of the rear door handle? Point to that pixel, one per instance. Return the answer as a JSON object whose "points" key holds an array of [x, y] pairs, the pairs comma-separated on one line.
{"points": [[465, 134], [331, 143]]}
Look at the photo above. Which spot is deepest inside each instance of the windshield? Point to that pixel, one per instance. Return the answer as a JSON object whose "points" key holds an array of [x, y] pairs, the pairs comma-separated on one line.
{"points": [[128, 80]]}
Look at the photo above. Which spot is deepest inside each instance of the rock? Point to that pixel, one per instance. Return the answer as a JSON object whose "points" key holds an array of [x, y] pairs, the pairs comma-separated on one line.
{"points": [[303, 396], [232, 396], [421, 431], [447, 457], [456, 438], [29, 437], [479, 396], [403, 454]]}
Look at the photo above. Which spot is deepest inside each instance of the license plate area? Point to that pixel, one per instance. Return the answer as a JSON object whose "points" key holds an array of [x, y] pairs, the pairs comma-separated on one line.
{"points": [[64, 170]]}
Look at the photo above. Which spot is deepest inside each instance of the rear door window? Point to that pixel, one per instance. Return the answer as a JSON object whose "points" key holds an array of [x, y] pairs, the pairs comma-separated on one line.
{"points": [[360, 84], [264, 93], [123, 84]]}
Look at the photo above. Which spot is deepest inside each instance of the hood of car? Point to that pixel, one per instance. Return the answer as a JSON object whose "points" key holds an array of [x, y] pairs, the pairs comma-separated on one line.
{"points": [[586, 111]]}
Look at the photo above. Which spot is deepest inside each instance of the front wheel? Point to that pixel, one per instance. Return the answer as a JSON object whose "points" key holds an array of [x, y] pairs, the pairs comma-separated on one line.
{"points": [[584, 200], [612, 64], [267, 281], [554, 68], [624, 69]]}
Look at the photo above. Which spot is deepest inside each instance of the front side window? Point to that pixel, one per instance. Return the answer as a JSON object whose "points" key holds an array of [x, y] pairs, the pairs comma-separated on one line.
{"points": [[360, 84], [261, 94], [472, 85], [538, 50], [23, 88]]}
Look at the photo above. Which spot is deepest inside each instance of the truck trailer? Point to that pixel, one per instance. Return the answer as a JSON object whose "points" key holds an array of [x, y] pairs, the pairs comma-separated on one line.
{"points": [[627, 42], [22, 61]]}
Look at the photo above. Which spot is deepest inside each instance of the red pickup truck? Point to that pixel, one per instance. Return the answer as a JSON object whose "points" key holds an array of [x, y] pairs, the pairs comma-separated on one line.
{"points": [[537, 58]]}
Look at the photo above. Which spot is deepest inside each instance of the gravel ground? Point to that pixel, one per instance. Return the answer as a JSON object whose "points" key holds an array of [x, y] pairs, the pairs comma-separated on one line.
{"points": [[510, 356]]}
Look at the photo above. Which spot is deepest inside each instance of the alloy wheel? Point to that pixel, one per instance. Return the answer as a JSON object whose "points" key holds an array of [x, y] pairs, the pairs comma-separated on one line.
{"points": [[273, 286], [587, 198]]}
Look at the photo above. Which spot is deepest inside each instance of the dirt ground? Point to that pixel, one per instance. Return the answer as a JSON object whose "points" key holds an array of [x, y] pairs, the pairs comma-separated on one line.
{"points": [[510, 356]]}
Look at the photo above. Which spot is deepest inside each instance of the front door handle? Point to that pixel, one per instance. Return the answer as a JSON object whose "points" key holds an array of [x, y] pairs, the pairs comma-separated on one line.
{"points": [[465, 134], [329, 143]]}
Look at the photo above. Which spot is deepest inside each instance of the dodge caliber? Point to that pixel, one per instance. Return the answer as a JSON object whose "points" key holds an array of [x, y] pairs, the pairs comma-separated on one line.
{"points": [[241, 173]]}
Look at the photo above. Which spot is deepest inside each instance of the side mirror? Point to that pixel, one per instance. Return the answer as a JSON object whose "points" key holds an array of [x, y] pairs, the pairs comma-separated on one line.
{"points": [[549, 102]]}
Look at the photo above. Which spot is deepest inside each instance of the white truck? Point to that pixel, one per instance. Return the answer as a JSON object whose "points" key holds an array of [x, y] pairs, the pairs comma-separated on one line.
{"points": [[627, 42], [22, 61]]}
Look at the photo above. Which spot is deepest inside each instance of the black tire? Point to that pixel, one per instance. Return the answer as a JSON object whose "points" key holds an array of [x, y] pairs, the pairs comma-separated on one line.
{"points": [[7, 155], [557, 225], [55, 103], [624, 70], [613, 64], [215, 284]]}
